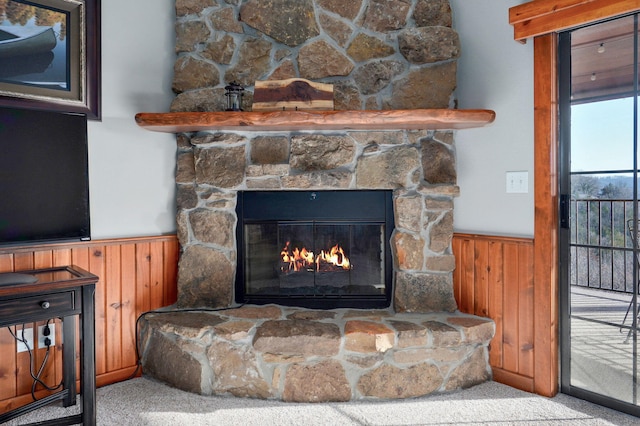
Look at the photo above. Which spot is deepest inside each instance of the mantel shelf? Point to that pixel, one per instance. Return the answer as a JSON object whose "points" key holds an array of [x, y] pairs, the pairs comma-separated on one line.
{"points": [[409, 119]]}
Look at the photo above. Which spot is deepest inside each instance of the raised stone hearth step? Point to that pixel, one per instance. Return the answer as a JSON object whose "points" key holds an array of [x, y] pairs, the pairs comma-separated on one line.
{"points": [[302, 355]]}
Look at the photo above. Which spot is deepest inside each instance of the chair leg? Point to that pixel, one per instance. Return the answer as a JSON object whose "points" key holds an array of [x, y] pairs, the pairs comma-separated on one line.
{"points": [[626, 340], [626, 315]]}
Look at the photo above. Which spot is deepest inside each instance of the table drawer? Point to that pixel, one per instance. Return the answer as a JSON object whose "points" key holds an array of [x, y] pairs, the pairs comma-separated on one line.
{"points": [[34, 308]]}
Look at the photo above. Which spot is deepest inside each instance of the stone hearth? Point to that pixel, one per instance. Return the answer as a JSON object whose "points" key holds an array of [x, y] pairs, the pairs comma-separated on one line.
{"points": [[302, 355]]}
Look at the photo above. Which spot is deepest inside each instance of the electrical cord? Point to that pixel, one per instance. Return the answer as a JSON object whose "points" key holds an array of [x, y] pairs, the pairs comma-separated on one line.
{"points": [[36, 376], [169, 311]]}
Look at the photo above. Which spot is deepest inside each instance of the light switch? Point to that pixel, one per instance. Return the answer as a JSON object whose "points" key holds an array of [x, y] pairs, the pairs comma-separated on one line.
{"points": [[517, 182]]}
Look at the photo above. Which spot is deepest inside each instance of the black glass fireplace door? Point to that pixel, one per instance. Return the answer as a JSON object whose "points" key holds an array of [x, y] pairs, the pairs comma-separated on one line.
{"points": [[295, 249]]}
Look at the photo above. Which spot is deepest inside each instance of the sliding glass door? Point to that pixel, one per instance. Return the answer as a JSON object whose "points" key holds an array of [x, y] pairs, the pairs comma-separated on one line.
{"points": [[598, 160]]}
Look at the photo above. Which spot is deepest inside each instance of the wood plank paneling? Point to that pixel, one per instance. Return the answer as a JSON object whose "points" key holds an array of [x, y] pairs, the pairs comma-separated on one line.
{"points": [[496, 300], [511, 326], [481, 287], [135, 275], [97, 267], [526, 314], [494, 278], [127, 308]]}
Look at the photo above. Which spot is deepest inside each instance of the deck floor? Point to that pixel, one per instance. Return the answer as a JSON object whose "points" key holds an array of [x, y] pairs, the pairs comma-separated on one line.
{"points": [[601, 352]]}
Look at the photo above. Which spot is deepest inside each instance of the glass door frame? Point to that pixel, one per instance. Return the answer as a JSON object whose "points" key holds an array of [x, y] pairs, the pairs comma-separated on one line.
{"points": [[564, 231]]}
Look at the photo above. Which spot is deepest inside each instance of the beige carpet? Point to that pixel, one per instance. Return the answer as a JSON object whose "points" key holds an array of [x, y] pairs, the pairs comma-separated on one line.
{"points": [[146, 402]]}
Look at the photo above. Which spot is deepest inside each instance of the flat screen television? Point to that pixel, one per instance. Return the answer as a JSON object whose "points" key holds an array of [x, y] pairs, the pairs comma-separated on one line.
{"points": [[44, 180]]}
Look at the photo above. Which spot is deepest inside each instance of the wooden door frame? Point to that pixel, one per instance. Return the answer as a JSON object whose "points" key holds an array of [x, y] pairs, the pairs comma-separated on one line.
{"points": [[545, 236], [542, 20]]}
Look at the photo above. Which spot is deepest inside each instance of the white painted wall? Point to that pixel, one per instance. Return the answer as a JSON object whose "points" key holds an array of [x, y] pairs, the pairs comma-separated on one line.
{"points": [[494, 72], [132, 170]]}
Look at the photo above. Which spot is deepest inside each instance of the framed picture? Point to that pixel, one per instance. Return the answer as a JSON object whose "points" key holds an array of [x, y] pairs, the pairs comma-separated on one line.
{"points": [[50, 55]]}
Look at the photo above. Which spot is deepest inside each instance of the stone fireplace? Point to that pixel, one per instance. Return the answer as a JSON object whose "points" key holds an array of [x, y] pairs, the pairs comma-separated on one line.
{"points": [[379, 55]]}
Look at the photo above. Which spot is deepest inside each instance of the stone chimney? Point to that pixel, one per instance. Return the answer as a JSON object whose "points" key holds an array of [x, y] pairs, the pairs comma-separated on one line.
{"points": [[379, 54]]}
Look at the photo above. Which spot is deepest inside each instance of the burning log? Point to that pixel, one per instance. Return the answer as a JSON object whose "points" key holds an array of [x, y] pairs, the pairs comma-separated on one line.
{"points": [[296, 259]]}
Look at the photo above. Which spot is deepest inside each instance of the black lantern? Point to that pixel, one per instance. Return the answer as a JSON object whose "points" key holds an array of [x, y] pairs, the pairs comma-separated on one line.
{"points": [[234, 92]]}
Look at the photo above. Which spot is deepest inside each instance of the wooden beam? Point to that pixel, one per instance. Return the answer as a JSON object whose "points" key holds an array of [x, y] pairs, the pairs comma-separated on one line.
{"points": [[539, 8], [411, 119], [541, 17]]}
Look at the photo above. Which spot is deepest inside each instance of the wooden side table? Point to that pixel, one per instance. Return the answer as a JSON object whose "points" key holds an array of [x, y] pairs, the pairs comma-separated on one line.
{"points": [[67, 293]]}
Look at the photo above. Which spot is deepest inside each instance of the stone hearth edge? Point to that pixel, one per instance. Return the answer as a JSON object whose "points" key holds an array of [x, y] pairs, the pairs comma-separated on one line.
{"points": [[302, 355]]}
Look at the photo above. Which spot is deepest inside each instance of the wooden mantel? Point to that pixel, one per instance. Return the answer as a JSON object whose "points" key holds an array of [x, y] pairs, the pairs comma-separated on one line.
{"points": [[410, 119]]}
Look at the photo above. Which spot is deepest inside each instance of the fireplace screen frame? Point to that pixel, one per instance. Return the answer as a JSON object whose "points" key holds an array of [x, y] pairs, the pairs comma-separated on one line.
{"points": [[353, 207]]}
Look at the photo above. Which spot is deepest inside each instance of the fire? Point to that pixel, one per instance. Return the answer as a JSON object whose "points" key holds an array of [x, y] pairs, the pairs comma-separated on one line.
{"points": [[303, 259], [335, 256]]}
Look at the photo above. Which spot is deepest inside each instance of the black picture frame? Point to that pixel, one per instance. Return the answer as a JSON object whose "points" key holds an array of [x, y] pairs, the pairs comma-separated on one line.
{"points": [[76, 87]]}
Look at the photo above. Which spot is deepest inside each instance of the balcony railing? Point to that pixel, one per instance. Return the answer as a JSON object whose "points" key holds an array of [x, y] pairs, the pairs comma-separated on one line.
{"points": [[601, 245]]}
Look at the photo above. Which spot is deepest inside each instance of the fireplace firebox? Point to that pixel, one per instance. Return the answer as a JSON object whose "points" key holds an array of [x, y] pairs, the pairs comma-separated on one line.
{"points": [[315, 249]]}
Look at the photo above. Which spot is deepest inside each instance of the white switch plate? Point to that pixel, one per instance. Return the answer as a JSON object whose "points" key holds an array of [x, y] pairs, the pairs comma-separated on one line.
{"points": [[28, 336], [517, 182]]}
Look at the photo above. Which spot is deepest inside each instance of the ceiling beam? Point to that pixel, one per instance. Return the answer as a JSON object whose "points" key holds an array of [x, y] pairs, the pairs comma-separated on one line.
{"points": [[539, 17]]}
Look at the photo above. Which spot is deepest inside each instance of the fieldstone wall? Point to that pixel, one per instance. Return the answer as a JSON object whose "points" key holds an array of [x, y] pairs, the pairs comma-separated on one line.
{"points": [[378, 54]]}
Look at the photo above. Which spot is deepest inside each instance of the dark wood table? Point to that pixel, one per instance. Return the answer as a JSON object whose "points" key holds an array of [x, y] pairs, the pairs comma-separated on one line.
{"points": [[61, 292]]}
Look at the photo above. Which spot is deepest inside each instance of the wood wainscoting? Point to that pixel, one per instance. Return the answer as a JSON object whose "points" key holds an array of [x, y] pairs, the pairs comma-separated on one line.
{"points": [[135, 275], [494, 278]]}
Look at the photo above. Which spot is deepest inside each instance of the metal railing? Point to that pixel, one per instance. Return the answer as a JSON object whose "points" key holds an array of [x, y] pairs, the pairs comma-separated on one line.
{"points": [[601, 246]]}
